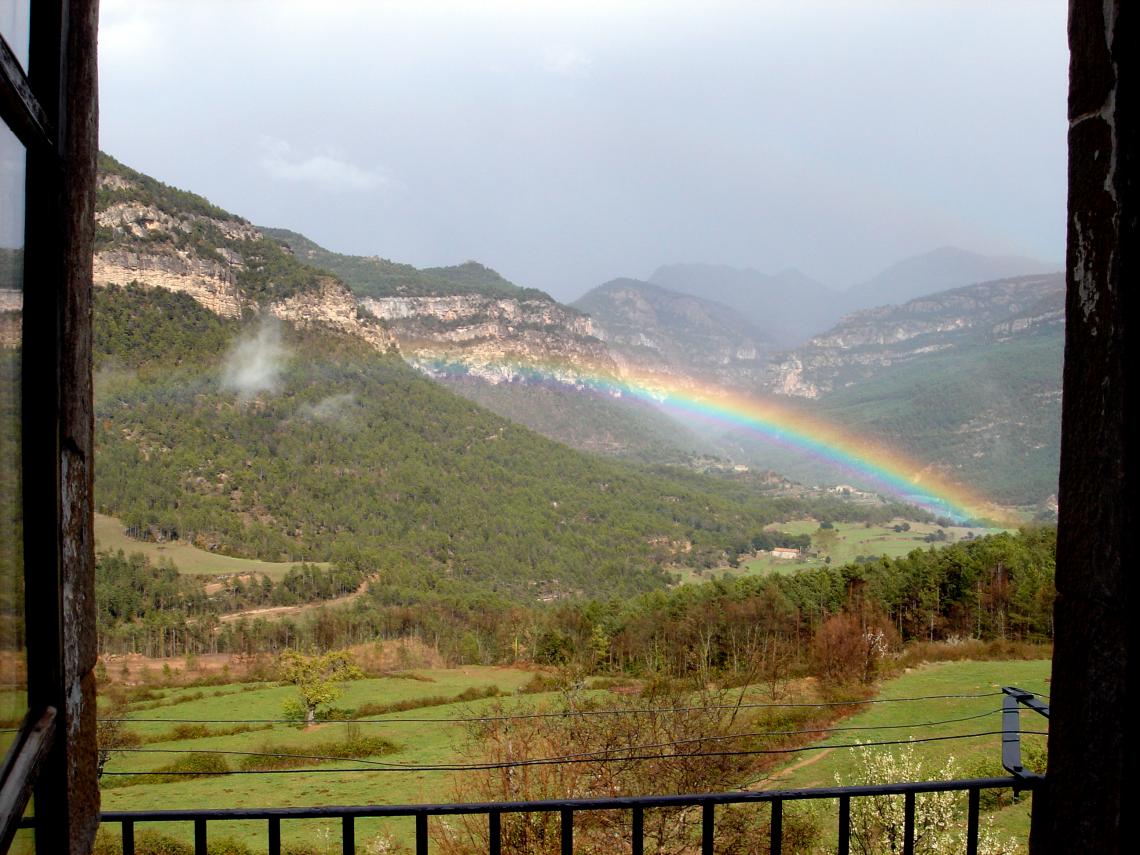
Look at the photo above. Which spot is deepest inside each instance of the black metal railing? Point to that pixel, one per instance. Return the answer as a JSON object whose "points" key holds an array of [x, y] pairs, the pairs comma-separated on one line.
{"points": [[568, 808], [1019, 779]]}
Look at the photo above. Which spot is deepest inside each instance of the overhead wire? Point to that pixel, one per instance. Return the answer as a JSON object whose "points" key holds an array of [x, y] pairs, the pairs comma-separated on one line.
{"points": [[759, 734], [600, 751], [564, 713], [380, 766]]}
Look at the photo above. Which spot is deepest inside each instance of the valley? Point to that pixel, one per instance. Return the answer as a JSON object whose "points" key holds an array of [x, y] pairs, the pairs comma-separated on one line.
{"points": [[483, 503]]}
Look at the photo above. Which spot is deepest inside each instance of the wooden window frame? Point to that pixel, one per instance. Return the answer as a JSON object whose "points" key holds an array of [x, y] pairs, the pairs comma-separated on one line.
{"points": [[51, 107]]}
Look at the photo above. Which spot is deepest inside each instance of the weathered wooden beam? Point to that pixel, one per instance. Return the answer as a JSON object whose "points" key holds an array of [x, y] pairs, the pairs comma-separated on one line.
{"points": [[1080, 807]]}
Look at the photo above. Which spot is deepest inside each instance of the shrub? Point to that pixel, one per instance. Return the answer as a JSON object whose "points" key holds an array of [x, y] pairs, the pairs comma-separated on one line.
{"points": [[848, 648], [196, 765], [877, 822], [286, 756]]}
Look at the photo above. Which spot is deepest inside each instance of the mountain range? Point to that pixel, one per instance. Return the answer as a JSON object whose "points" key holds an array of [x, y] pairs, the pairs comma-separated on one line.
{"points": [[789, 307], [549, 366]]}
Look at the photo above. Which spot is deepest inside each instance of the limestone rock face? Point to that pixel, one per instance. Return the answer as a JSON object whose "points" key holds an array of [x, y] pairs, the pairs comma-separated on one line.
{"points": [[209, 282], [333, 307], [869, 341], [494, 338], [656, 332], [158, 244], [11, 318]]}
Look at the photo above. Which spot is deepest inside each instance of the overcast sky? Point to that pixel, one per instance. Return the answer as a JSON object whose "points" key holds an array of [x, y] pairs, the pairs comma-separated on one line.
{"points": [[567, 143]]}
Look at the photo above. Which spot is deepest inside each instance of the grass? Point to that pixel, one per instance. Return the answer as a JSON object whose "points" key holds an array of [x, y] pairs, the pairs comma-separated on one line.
{"points": [[415, 743], [188, 559], [419, 743], [845, 543], [978, 757], [850, 540]]}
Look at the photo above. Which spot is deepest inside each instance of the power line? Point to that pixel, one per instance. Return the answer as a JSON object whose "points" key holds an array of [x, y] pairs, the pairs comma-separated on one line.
{"points": [[561, 714], [379, 766], [596, 752]]}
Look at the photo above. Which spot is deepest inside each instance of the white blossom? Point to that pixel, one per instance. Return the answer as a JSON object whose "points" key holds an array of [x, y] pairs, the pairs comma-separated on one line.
{"points": [[878, 822]]}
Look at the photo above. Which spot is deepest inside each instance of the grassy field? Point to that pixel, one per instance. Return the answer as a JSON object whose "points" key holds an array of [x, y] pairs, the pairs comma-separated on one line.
{"points": [[847, 541], [420, 742], [188, 559], [843, 544], [975, 757]]}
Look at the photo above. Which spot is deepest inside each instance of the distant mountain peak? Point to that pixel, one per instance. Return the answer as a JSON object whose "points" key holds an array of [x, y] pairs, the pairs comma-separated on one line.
{"points": [[787, 307], [940, 269]]}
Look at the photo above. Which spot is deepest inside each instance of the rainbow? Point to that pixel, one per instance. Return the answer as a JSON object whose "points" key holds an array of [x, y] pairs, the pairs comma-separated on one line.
{"points": [[889, 471]]}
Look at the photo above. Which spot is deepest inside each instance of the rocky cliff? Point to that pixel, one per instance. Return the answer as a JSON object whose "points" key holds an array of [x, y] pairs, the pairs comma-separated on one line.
{"points": [[467, 320], [495, 338], [655, 332], [160, 237], [11, 318], [968, 380], [868, 342]]}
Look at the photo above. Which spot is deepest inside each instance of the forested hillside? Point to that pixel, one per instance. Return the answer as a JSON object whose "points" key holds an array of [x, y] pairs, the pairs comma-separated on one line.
{"points": [[371, 276], [344, 454], [968, 380]]}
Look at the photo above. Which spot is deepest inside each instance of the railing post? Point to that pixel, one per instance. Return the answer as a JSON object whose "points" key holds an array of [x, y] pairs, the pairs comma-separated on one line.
{"points": [[844, 825], [347, 835], [972, 821], [494, 833], [274, 835], [567, 831], [1011, 735], [908, 824], [421, 834], [200, 837], [684, 807]]}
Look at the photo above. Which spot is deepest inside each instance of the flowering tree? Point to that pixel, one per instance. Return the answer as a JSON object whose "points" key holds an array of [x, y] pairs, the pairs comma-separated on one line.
{"points": [[878, 822]]}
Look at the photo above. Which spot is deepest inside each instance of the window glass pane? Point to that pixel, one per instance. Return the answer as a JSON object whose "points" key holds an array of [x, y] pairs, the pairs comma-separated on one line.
{"points": [[13, 671], [14, 28]]}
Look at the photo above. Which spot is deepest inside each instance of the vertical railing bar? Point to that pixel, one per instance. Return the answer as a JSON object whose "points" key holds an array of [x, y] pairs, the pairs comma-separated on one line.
{"points": [[637, 835], [348, 835], [200, 836], [844, 825], [908, 824], [274, 835], [421, 834], [777, 842], [1011, 735], [567, 831], [495, 833], [972, 821]]}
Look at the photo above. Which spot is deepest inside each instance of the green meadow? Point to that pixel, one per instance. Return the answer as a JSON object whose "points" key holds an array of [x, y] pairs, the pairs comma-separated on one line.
{"points": [[419, 742], [847, 541], [973, 757], [843, 543], [109, 535]]}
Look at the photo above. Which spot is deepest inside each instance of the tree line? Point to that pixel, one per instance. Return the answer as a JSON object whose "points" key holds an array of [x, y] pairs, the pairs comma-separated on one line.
{"points": [[998, 587]]}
